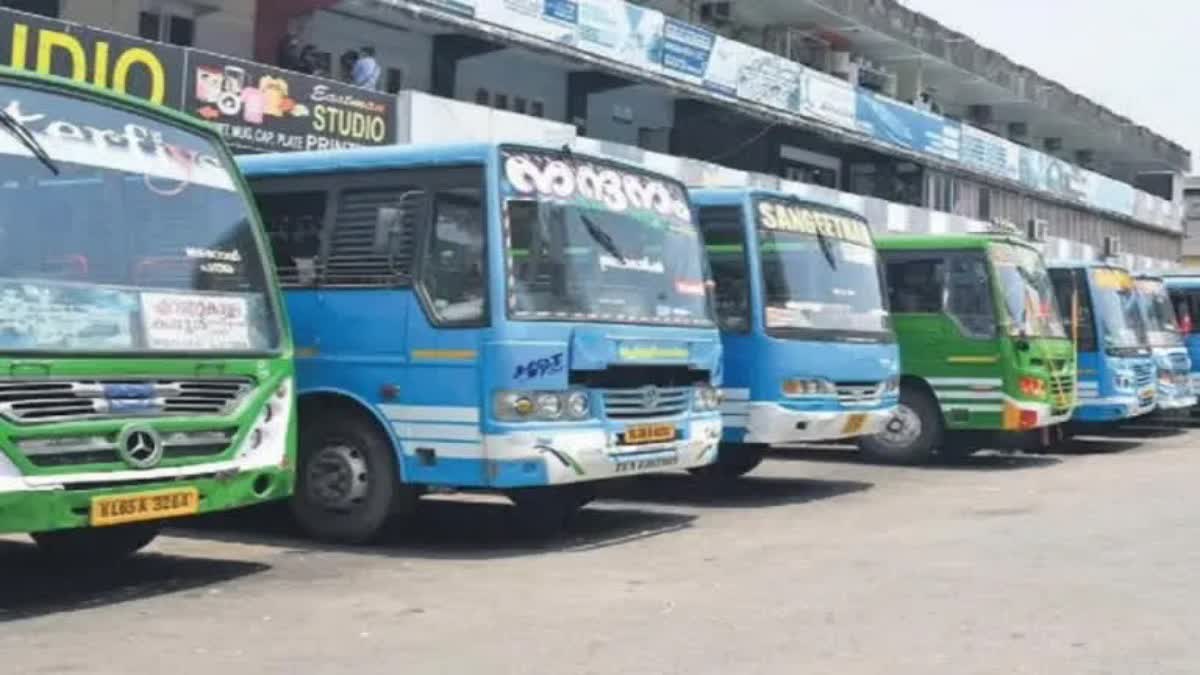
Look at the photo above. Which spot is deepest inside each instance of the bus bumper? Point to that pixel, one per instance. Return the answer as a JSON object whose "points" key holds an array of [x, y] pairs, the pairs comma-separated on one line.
{"points": [[45, 509], [1112, 409], [774, 424], [558, 457]]}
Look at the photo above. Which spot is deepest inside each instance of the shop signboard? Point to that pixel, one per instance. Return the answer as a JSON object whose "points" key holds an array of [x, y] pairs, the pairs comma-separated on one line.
{"points": [[827, 98], [902, 125], [258, 107], [990, 154]]}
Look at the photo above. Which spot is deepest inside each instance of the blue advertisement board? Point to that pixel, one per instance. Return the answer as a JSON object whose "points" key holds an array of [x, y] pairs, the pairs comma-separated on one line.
{"points": [[893, 122]]}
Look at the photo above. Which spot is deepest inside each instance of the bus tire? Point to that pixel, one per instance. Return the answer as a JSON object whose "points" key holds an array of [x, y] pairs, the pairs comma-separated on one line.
{"points": [[734, 460], [347, 484], [95, 544], [913, 434], [545, 511]]}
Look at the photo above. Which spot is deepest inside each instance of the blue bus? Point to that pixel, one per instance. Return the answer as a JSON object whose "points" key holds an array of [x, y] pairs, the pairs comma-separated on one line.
{"points": [[1167, 346], [809, 350], [1117, 374], [487, 316], [1184, 289]]}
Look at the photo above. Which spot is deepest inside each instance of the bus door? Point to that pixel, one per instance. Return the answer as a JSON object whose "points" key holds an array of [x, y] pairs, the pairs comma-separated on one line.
{"points": [[728, 240]]}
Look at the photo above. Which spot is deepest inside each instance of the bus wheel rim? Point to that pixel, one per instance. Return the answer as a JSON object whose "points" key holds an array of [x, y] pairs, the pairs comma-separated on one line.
{"points": [[904, 427], [337, 477]]}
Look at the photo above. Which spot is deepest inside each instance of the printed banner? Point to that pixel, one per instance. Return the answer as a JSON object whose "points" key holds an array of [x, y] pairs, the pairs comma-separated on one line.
{"points": [[463, 7], [49, 316], [893, 122], [262, 108], [770, 80], [990, 154], [827, 98], [551, 20], [701, 57], [620, 31], [149, 70]]}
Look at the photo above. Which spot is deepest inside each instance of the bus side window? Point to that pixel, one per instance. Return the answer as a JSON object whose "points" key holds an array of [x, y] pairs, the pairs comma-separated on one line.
{"points": [[916, 286], [453, 271], [969, 296], [725, 242], [1070, 285], [293, 221]]}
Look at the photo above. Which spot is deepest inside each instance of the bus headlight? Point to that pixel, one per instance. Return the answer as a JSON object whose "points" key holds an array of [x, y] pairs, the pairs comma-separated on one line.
{"points": [[707, 398], [547, 406], [891, 386], [796, 388], [577, 405]]}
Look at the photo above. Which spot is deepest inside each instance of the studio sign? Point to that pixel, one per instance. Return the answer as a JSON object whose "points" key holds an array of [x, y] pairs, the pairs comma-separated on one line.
{"points": [[618, 190]]}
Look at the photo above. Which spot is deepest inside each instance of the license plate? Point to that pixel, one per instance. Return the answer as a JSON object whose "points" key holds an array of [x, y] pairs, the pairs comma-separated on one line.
{"points": [[139, 506], [649, 433], [855, 424]]}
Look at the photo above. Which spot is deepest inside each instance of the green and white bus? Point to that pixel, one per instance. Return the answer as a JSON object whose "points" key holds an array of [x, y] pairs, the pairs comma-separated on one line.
{"points": [[145, 362], [986, 359]]}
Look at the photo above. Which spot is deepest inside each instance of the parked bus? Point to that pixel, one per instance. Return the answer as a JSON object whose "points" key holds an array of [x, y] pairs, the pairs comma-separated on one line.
{"points": [[487, 316], [986, 360], [1184, 290], [809, 350], [1166, 344], [147, 364], [1116, 372]]}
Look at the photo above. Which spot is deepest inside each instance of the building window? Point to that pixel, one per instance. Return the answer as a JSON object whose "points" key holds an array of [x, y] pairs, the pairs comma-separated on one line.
{"points": [[501, 101], [50, 8], [171, 28], [537, 108], [482, 97], [520, 105]]}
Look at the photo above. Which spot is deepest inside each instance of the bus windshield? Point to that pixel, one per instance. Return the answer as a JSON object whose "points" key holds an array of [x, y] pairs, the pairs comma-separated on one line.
{"points": [[1028, 293], [820, 272], [1116, 309], [129, 235], [589, 241], [1158, 314]]}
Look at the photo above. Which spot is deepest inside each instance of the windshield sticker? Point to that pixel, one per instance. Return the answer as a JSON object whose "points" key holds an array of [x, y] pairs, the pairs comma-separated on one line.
{"points": [[1112, 280], [577, 179], [135, 149], [786, 217], [608, 262], [185, 322], [51, 316], [215, 261], [694, 287]]}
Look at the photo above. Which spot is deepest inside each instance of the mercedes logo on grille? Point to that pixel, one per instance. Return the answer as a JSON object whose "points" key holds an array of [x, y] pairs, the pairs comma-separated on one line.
{"points": [[650, 397], [140, 448]]}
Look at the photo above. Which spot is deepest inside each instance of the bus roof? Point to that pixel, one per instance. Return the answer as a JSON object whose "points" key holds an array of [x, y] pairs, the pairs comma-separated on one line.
{"points": [[1183, 279], [16, 76], [925, 242], [395, 157], [1085, 264], [732, 196]]}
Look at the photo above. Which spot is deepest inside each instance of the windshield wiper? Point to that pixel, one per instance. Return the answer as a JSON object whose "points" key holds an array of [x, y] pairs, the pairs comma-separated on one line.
{"points": [[603, 238], [25, 136], [827, 249]]}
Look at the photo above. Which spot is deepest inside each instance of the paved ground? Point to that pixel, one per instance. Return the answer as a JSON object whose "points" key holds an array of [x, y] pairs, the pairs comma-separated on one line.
{"points": [[1084, 562]]}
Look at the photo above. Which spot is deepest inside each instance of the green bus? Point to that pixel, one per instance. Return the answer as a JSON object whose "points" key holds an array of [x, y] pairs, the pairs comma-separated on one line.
{"points": [[145, 362], [986, 360]]}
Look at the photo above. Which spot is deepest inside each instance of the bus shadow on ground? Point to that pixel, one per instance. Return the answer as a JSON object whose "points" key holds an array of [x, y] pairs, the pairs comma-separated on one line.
{"points": [[750, 491], [1110, 443], [32, 587], [985, 460], [448, 528]]}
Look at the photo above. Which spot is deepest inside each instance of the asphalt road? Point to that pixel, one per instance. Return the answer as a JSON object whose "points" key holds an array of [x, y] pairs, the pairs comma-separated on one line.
{"points": [[1081, 562]]}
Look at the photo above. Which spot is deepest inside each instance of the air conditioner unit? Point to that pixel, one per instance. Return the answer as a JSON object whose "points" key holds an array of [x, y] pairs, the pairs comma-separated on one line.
{"points": [[1038, 229], [718, 13], [1112, 247]]}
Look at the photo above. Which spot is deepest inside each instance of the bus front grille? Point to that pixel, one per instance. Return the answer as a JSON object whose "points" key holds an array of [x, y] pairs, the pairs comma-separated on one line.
{"points": [[1144, 374], [39, 401], [860, 393], [80, 450], [644, 402]]}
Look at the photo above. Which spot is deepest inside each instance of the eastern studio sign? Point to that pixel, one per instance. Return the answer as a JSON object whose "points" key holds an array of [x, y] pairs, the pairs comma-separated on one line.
{"points": [[262, 108]]}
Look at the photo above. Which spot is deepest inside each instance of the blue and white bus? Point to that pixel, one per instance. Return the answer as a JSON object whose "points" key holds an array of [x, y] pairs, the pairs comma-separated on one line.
{"points": [[1184, 290], [1117, 374], [1166, 345], [809, 350], [487, 316]]}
